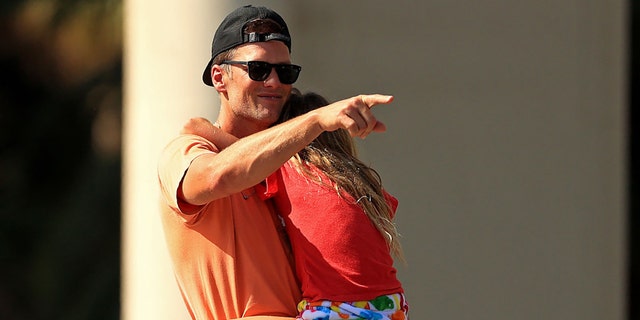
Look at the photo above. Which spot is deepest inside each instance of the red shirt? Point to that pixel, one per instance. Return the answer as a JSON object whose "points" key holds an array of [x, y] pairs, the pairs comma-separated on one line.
{"points": [[339, 253]]}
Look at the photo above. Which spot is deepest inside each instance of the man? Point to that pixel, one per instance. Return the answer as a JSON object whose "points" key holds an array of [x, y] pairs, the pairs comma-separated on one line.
{"points": [[224, 237]]}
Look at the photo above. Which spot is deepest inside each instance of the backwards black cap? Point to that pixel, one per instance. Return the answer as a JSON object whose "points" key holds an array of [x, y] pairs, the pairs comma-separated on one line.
{"points": [[230, 33]]}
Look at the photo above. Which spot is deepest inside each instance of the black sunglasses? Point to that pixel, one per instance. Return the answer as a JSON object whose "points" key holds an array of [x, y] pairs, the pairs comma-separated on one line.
{"points": [[260, 70]]}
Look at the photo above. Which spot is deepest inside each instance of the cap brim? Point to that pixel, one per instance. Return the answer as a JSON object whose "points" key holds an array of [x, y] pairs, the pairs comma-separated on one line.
{"points": [[206, 75]]}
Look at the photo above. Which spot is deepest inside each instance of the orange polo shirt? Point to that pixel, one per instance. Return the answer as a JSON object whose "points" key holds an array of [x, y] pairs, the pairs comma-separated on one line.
{"points": [[230, 257]]}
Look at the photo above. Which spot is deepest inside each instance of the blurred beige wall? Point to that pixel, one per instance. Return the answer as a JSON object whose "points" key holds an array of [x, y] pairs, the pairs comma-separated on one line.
{"points": [[505, 145]]}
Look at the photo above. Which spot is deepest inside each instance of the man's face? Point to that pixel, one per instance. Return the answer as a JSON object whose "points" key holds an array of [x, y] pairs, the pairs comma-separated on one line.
{"points": [[258, 103]]}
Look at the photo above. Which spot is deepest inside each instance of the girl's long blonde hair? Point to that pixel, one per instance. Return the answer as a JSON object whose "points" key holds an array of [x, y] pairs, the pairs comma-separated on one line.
{"points": [[335, 154]]}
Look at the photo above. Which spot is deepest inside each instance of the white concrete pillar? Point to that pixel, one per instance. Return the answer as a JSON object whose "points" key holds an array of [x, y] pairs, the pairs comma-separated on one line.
{"points": [[167, 44]]}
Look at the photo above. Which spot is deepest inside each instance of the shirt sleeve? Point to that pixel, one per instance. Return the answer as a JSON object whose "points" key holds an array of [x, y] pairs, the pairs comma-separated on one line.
{"points": [[174, 162]]}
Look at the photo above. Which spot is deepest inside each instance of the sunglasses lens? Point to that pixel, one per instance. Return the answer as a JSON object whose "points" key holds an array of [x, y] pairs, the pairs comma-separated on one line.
{"points": [[288, 74], [258, 70]]}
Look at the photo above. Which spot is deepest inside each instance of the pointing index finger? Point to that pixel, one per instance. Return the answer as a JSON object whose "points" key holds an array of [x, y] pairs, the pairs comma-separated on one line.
{"points": [[371, 100]]}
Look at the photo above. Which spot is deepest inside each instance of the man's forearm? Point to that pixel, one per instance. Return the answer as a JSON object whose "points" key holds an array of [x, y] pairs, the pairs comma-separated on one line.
{"points": [[248, 161]]}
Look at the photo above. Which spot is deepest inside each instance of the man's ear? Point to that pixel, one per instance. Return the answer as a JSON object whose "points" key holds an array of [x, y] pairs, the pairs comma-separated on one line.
{"points": [[217, 78]]}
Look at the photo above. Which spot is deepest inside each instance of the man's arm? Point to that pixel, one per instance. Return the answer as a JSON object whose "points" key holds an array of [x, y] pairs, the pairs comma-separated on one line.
{"points": [[251, 159]]}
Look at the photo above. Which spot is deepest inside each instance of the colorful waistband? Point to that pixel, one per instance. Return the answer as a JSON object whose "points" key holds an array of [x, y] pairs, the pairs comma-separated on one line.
{"points": [[388, 307]]}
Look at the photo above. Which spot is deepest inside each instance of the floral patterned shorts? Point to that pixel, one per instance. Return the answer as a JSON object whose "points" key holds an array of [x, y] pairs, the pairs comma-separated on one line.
{"points": [[389, 307]]}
